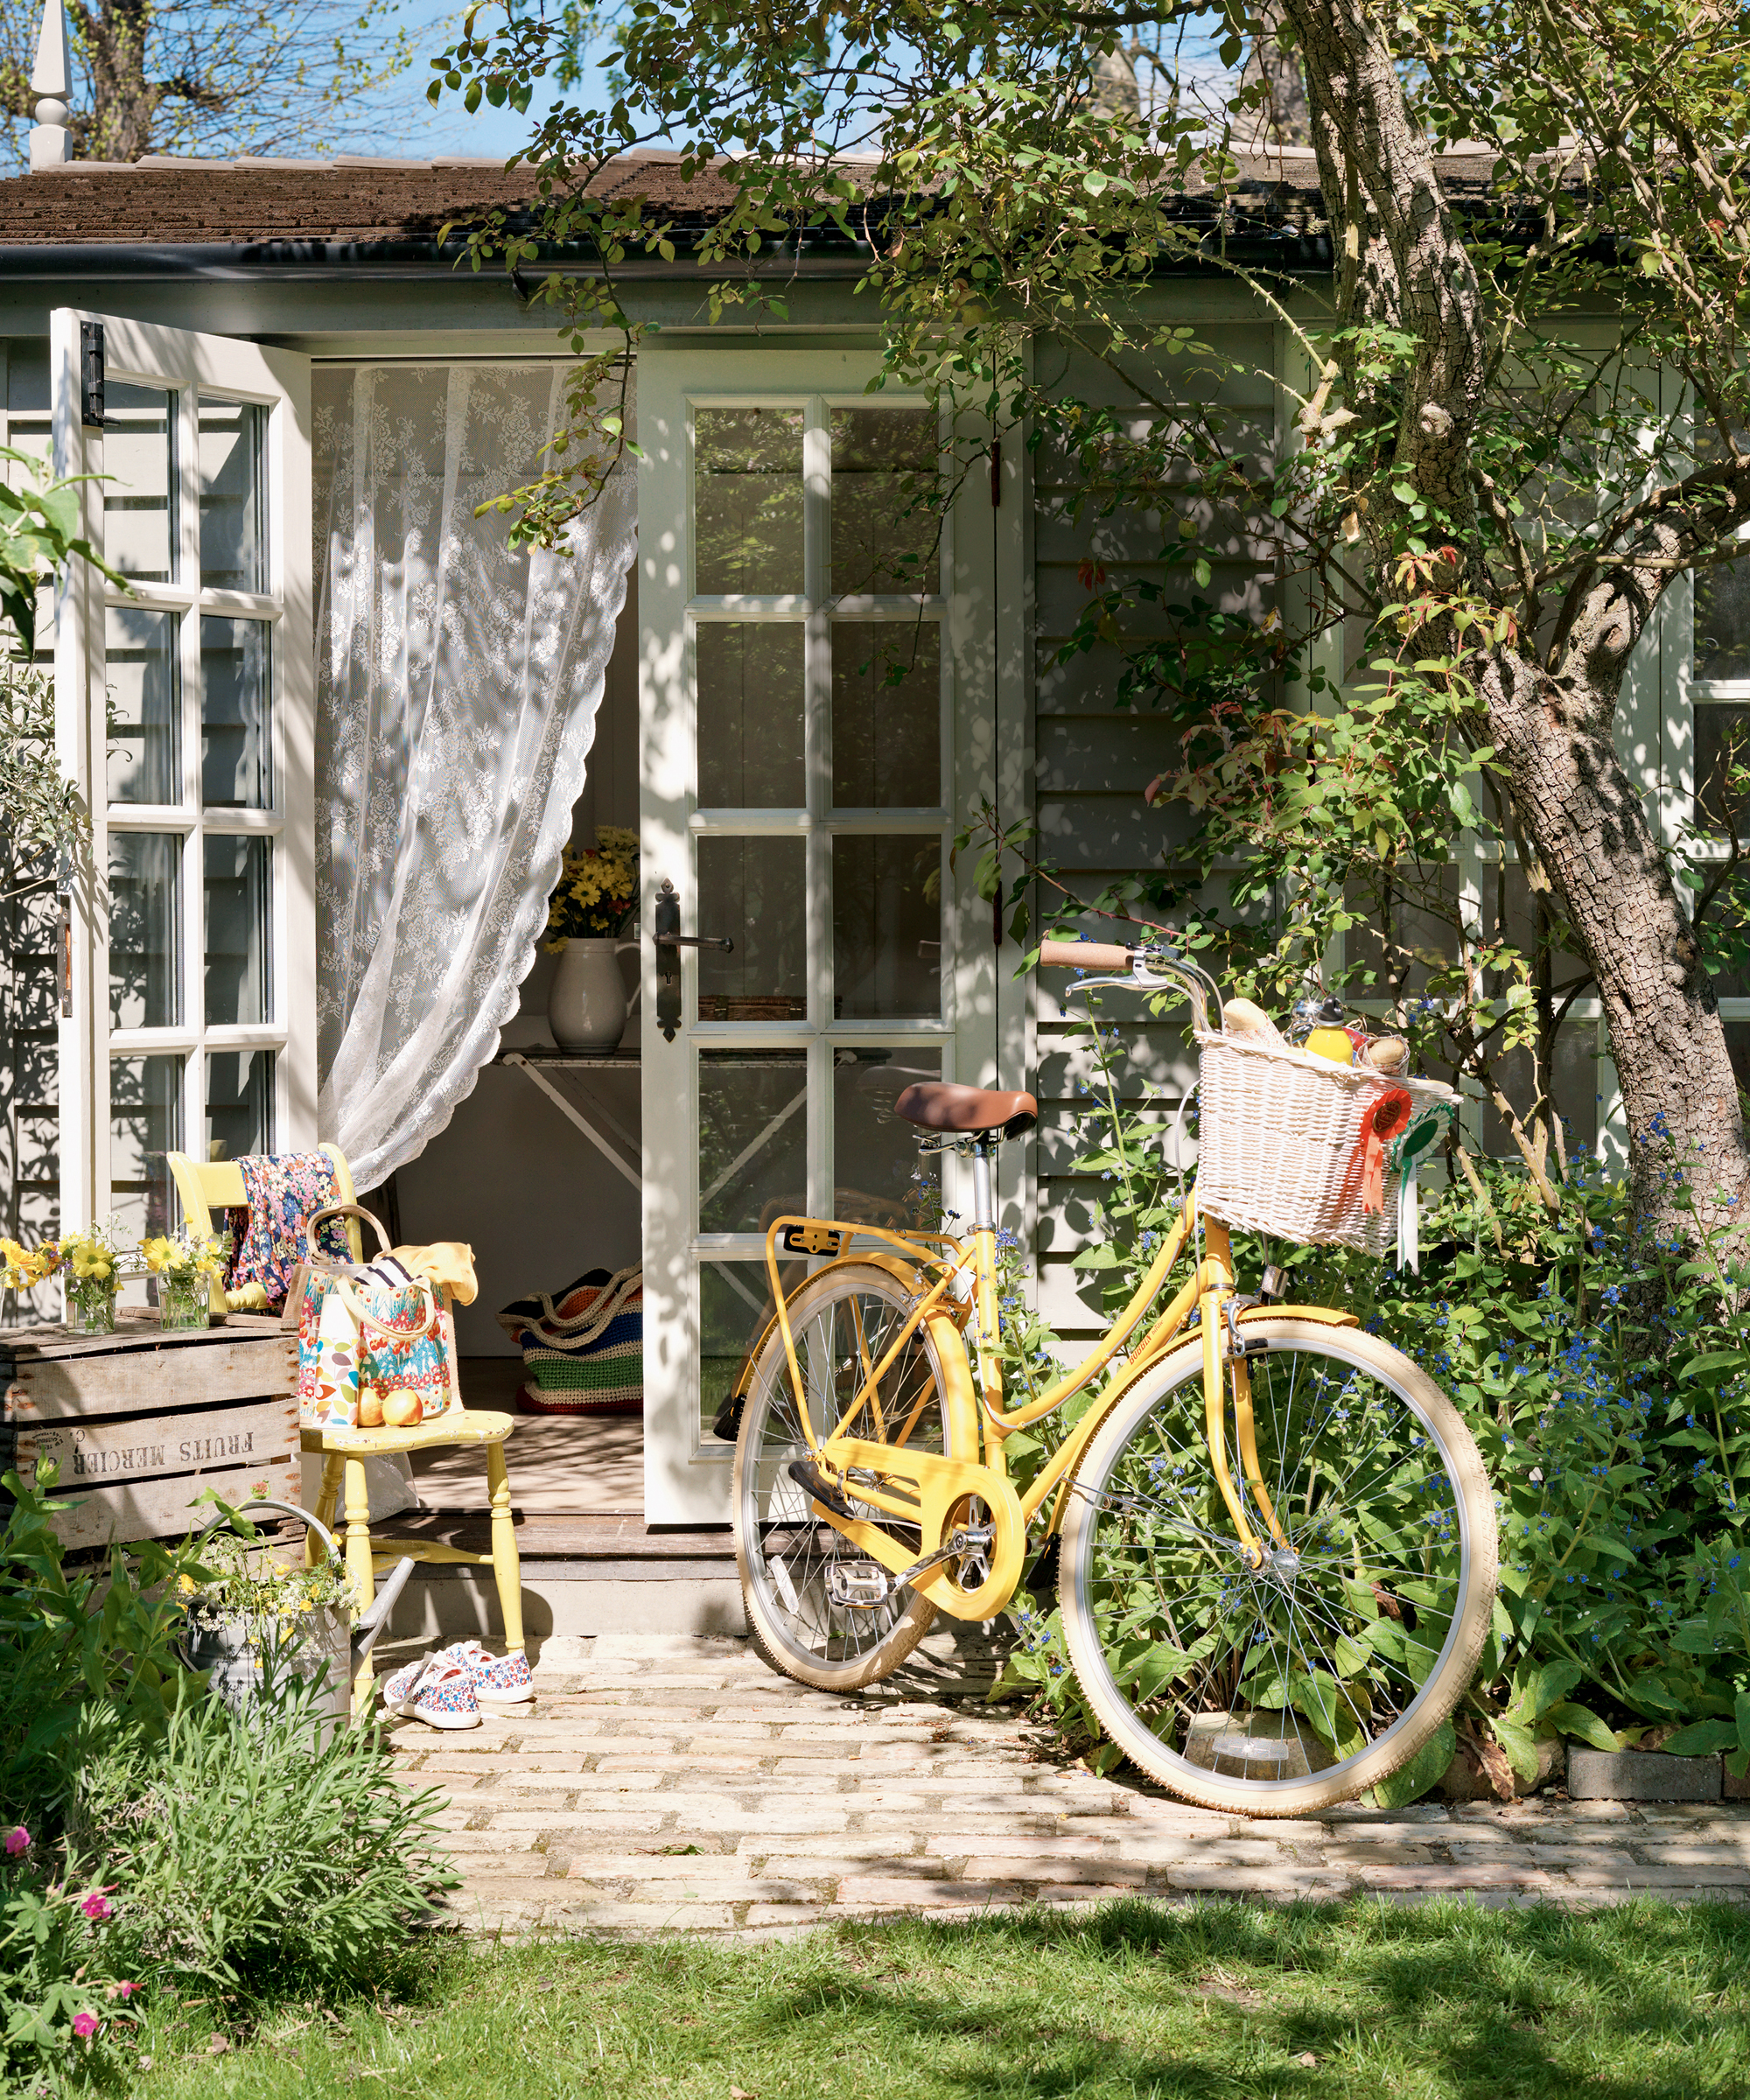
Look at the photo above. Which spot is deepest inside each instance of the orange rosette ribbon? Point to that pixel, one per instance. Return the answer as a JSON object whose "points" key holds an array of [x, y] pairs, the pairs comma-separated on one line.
{"points": [[1385, 1120]]}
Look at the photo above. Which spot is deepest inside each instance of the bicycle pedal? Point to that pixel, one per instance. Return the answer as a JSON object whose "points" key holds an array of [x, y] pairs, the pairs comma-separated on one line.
{"points": [[858, 1584], [809, 1477]]}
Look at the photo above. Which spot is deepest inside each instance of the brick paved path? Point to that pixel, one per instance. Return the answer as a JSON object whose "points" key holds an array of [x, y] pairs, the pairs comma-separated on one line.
{"points": [[664, 1783]]}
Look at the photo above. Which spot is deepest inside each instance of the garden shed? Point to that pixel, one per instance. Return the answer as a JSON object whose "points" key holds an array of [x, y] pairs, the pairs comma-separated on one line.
{"points": [[337, 730]]}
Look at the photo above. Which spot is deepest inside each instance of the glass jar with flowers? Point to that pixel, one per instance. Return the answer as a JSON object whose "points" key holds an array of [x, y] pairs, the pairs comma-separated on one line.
{"points": [[186, 1266], [593, 907], [92, 1267]]}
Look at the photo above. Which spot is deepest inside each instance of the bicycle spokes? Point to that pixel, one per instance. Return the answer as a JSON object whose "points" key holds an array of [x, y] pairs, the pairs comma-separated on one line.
{"points": [[1305, 1659]]}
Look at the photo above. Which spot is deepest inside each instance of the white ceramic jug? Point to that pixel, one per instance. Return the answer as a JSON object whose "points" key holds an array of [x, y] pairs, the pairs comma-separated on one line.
{"points": [[586, 1008]]}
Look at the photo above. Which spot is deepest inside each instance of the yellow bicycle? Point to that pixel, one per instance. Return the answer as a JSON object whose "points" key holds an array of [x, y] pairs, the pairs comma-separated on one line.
{"points": [[1278, 1542]]}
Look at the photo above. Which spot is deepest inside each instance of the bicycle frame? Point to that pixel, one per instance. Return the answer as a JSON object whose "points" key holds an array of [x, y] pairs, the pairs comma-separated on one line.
{"points": [[941, 1485]]}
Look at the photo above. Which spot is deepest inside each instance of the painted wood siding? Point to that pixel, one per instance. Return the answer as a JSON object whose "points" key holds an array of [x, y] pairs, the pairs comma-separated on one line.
{"points": [[1093, 759]]}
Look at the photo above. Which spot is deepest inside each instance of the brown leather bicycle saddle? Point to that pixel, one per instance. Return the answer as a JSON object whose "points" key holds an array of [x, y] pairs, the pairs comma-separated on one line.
{"points": [[932, 1104]]}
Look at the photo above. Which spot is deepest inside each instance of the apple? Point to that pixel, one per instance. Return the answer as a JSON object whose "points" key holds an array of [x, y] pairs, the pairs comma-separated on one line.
{"points": [[401, 1409]]}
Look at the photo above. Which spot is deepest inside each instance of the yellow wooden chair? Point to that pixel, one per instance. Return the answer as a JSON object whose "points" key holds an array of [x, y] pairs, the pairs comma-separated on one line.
{"points": [[206, 1185]]}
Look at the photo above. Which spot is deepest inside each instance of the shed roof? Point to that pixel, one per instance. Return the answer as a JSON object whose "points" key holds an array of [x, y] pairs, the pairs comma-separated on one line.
{"points": [[161, 200], [288, 212]]}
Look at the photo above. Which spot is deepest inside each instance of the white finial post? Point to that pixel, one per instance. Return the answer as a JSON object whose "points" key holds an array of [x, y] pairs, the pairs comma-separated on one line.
{"points": [[51, 84]]}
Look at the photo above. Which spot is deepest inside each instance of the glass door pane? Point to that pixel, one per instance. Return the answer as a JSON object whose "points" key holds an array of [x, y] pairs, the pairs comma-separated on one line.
{"points": [[140, 496]]}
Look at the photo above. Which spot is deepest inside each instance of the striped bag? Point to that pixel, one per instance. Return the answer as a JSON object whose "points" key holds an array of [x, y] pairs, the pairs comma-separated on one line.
{"points": [[582, 1349]]}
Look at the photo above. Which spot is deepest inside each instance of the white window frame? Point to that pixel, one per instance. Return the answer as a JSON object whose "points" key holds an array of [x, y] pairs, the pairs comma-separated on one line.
{"points": [[278, 381]]}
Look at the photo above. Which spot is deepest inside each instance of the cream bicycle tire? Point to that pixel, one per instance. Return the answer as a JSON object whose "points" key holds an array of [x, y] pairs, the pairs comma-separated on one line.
{"points": [[1193, 1540], [780, 1629]]}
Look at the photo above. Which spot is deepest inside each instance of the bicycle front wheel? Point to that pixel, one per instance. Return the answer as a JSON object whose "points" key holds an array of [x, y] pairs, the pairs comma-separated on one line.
{"points": [[806, 1588], [1280, 1689]]}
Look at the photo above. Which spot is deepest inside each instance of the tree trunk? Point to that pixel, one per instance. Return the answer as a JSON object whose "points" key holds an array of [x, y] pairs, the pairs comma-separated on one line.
{"points": [[1402, 263], [1286, 121], [1588, 823], [124, 102]]}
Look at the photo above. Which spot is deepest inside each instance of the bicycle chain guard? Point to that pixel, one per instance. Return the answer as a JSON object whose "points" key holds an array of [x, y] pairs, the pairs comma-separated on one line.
{"points": [[940, 1485]]}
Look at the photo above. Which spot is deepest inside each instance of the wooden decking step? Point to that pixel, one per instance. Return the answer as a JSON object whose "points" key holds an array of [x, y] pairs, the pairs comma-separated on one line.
{"points": [[591, 1545]]}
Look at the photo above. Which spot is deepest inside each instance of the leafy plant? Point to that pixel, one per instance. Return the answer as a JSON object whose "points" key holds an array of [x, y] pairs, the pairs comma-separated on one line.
{"points": [[259, 1854], [64, 1993], [82, 1651]]}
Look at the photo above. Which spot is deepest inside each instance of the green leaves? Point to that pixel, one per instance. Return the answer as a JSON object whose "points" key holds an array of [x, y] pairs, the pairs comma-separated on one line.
{"points": [[1424, 1770]]}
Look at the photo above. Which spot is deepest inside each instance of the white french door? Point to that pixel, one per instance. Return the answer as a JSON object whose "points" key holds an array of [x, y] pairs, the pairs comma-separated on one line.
{"points": [[798, 772], [184, 709]]}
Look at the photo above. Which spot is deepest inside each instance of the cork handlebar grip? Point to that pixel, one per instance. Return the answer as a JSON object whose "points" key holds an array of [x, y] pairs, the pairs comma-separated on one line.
{"points": [[1083, 955]]}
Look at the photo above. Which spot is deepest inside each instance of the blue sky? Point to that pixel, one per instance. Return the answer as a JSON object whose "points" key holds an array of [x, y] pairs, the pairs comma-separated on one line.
{"points": [[411, 126]]}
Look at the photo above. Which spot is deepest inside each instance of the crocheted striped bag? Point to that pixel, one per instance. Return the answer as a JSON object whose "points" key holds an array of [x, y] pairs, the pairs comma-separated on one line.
{"points": [[583, 1347]]}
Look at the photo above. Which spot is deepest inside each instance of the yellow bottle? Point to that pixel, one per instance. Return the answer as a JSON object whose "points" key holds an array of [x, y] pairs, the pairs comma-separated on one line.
{"points": [[1334, 1043]]}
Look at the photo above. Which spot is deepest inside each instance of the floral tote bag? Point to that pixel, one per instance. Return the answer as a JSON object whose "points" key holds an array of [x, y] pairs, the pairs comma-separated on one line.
{"points": [[370, 1331]]}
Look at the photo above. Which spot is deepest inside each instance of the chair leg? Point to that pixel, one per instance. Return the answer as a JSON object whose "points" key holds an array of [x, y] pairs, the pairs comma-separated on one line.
{"points": [[327, 1496], [507, 1570], [359, 1567]]}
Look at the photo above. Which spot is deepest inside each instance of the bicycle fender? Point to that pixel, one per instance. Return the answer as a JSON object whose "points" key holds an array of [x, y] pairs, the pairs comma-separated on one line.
{"points": [[1323, 1316]]}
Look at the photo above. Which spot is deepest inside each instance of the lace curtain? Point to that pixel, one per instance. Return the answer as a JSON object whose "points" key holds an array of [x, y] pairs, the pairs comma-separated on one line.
{"points": [[457, 688]]}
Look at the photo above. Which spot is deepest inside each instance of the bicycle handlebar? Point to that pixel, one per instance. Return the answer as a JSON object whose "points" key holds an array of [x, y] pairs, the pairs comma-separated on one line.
{"points": [[1084, 954], [1095, 955]]}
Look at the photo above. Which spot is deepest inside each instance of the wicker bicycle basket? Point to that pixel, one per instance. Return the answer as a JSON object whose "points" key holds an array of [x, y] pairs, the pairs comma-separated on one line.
{"points": [[1280, 1131]]}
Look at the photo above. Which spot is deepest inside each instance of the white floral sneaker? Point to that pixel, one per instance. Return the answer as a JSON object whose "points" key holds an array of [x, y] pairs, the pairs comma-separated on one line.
{"points": [[498, 1680], [437, 1689]]}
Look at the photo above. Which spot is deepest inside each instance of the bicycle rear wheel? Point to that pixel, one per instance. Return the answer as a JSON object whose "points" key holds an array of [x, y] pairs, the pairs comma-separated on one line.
{"points": [[799, 1575], [1281, 1689]]}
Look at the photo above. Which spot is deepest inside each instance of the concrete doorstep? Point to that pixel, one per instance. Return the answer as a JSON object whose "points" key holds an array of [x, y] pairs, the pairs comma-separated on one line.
{"points": [[664, 1783]]}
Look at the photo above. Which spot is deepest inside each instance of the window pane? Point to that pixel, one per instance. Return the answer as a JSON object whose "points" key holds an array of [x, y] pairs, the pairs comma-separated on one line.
{"points": [[1738, 1049], [753, 890], [750, 717], [233, 539], [886, 927], [880, 1176], [1575, 1085], [145, 1122], [1528, 921], [734, 1304], [1406, 932], [753, 1138], [748, 492], [236, 891], [236, 741], [239, 1104], [1722, 621], [144, 929], [140, 659], [139, 498], [1722, 735], [884, 528], [887, 715]]}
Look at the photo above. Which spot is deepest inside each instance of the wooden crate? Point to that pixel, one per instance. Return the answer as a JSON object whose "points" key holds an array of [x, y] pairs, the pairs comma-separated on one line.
{"points": [[141, 1422]]}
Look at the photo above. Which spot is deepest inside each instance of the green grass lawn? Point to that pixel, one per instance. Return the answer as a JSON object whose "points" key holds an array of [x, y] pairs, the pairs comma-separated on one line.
{"points": [[1319, 2002]]}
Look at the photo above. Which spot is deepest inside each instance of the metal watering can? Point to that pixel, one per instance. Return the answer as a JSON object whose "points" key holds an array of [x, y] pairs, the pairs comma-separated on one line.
{"points": [[322, 1648]]}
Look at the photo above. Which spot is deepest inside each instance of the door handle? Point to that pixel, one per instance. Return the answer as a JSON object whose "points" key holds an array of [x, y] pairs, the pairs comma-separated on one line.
{"points": [[670, 942]]}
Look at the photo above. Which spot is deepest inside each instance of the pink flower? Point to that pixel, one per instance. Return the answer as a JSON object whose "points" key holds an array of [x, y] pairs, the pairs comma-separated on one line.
{"points": [[17, 1840], [97, 1907], [85, 2025]]}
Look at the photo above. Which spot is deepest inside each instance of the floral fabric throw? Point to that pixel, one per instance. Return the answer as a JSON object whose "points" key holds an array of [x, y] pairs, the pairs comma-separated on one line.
{"points": [[285, 1191]]}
